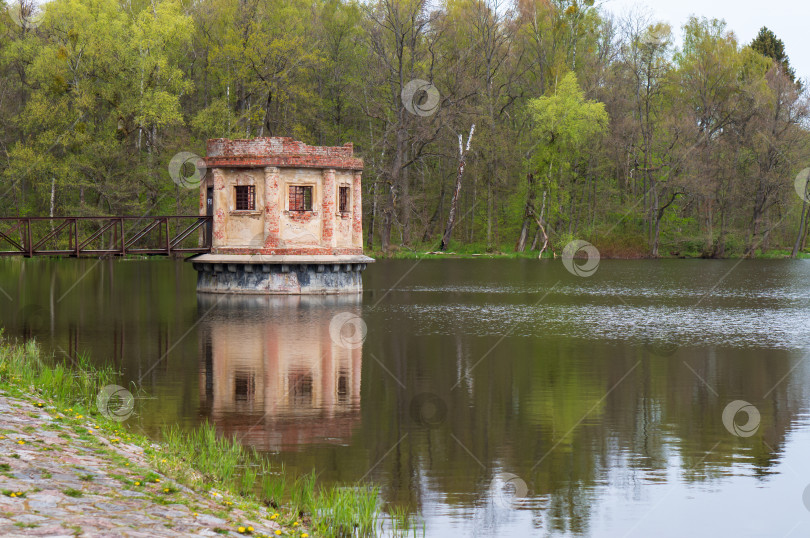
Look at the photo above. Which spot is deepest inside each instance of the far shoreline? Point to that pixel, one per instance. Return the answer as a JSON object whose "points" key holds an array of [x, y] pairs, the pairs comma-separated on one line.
{"points": [[403, 253]]}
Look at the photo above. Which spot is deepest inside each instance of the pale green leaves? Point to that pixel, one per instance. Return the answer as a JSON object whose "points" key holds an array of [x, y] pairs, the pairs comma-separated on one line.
{"points": [[565, 120]]}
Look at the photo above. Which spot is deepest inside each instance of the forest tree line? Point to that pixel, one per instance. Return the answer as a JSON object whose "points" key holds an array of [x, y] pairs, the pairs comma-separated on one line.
{"points": [[588, 125]]}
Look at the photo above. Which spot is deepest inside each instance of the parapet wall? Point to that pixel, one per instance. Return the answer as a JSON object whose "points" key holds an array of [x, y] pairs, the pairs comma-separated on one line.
{"points": [[279, 152]]}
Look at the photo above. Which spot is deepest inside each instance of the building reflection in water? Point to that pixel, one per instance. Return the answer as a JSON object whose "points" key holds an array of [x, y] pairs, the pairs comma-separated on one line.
{"points": [[270, 373]]}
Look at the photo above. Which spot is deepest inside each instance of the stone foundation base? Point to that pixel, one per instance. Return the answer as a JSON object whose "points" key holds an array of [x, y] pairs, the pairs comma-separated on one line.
{"points": [[280, 275]]}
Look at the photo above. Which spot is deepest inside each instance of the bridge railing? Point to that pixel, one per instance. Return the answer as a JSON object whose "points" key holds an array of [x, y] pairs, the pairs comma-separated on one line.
{"points": [[104, 236]]}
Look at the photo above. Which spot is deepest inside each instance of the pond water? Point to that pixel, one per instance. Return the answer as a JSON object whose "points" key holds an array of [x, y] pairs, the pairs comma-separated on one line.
{"points": [[490, 397]]}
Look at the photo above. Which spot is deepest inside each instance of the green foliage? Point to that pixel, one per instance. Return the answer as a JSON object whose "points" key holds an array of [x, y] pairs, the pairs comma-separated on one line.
{"points": [[214, 121], [767, 44], [97, 99], [566, 120], [565, 126]]}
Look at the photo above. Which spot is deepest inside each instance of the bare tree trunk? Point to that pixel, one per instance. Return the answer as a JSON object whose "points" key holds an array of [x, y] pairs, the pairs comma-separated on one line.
{"points": [[536, 239], [405, 204], [802, 224], [489, 213], [520, 246], [388, 210], [756, 222], [434, 219], [542, 229], [462, 160], [53, 195], [53, 198], [720, 246], [659, 214], [709, 230], [393, 187], [800, 237], [370, 240]]}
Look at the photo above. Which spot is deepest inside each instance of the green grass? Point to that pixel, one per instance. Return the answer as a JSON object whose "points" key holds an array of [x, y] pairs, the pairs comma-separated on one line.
{"points": [[23, 366], [70, 492], [330, 511], [611, 243]]}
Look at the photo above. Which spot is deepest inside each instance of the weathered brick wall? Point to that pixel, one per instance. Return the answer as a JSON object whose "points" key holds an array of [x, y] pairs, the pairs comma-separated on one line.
{"points": [[280, 152], [232, 228], [273, 165], [294, 251]]}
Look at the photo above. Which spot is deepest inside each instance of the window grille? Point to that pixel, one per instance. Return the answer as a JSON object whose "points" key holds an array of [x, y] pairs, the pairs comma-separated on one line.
{"points": [[245, 198], [343, 199], [300, 198]]}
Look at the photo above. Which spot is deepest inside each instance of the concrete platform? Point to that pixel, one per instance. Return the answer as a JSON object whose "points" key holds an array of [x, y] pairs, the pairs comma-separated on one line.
{"points": [[280, 275], [292, 259]]}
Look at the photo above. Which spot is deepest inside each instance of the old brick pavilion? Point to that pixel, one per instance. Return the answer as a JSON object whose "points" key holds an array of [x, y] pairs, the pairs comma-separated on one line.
{"points": [[287, 218]]}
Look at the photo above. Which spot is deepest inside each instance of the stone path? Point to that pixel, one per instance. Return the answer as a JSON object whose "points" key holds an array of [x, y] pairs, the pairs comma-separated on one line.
{"points": [[62, 476]]}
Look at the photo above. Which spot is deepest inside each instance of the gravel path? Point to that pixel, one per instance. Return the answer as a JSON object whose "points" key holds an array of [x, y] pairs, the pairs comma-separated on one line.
{"points": [[62, 476]]}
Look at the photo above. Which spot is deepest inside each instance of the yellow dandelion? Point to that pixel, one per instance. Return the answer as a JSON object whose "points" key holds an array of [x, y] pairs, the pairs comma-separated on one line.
{"points": [[305, 535], [241, 529], [166, 490], [13, 495], [250, 529], [278, 533], [274, 516], [21, 442], [137, 483], [295, 524]]}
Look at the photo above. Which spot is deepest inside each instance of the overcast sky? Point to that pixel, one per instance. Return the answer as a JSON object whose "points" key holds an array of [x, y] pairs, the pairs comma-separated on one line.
{"points": [[789, 20]]}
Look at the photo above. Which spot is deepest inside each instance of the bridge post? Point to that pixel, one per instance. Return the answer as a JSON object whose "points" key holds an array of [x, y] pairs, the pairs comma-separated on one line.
{"points": [[168, 238], [30, 238], [123, 239]]}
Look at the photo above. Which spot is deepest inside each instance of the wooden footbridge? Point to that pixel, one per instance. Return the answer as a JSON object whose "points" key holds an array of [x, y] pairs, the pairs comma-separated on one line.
{"points": [[105, 236]]}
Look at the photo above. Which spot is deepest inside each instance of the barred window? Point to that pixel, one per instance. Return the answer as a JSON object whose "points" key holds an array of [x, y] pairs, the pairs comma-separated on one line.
{"points": [[245, 198], [300, 198], [343, 199]]}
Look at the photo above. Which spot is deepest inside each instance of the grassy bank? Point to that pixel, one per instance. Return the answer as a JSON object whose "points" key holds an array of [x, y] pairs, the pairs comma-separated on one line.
{"points": [[616, 248], [198, 459]]}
